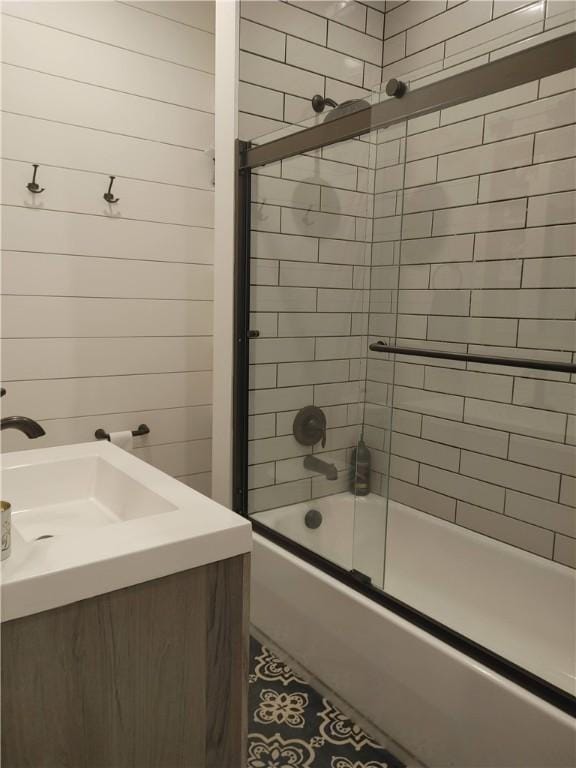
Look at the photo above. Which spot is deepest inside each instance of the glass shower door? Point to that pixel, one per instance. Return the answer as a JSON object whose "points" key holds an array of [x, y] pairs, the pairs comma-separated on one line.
{"points": [[382, 279], [311, 244], [481, 513]]}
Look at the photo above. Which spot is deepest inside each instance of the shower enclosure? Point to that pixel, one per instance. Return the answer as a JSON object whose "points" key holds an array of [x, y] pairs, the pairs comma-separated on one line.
{"points": [[405, 400]]}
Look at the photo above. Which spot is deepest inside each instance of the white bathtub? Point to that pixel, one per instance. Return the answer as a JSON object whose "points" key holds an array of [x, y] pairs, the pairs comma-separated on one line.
{"points": [[446, 708], [352, 533]]}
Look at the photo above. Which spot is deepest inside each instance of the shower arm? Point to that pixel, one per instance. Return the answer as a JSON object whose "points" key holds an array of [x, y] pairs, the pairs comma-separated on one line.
{"points": [[534, 63], [511, 362], [319, 103]]}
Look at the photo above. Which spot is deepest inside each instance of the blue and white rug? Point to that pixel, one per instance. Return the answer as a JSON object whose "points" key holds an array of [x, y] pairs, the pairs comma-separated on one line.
{"points": [[292, 726]]}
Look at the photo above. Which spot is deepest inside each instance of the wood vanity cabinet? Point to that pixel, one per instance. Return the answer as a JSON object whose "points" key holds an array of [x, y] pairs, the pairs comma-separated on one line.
{"points": [[151, 676]]}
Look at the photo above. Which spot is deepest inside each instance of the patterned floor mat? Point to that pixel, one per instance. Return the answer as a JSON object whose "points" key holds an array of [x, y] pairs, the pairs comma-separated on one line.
{"points": [[292, 726]]}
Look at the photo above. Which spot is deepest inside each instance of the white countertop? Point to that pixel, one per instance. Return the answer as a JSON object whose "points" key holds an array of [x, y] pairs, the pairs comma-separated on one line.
{"points": [[188, 531]]}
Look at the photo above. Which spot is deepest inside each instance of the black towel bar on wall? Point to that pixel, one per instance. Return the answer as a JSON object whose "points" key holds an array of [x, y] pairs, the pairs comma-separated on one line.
{"points": [[512, 362]]}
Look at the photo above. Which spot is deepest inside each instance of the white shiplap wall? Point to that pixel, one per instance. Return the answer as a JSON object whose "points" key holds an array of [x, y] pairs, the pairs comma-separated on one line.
{"points": [[107, 309]]}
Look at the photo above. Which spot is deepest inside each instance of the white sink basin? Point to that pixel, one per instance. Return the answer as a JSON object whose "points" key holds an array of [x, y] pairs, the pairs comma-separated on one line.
{"points": [[56, 498], [91, 518]]}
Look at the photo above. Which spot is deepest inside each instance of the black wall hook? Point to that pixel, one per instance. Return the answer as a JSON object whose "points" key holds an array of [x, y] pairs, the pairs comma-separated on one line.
{"points": [[32, 186], [108, 196]]}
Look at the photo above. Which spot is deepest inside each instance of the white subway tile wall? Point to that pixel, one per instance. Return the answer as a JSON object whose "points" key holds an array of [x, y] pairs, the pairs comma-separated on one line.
{"points": [[473, 248], [310, 298], [490, 448], [312, 313], [107, 309], [291, 51]]}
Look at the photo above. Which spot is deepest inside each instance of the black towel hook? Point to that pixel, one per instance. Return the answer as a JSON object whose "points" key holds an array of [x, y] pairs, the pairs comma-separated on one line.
{"points": [[32, 186], [108, 196]]}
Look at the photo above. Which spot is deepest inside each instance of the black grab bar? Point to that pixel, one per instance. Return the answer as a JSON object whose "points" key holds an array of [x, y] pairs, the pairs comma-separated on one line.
{"points": [[512, 362]]}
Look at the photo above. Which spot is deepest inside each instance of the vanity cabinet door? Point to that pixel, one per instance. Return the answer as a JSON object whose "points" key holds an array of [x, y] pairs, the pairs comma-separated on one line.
{"points": [[151, 676]]}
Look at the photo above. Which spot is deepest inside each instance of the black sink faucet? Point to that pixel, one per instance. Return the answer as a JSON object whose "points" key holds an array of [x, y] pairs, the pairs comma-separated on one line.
{"points": [[23, 424]]}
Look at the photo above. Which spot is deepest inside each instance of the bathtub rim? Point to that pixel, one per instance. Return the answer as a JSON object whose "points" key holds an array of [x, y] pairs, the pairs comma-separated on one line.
{"points": [[357, 581]]}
